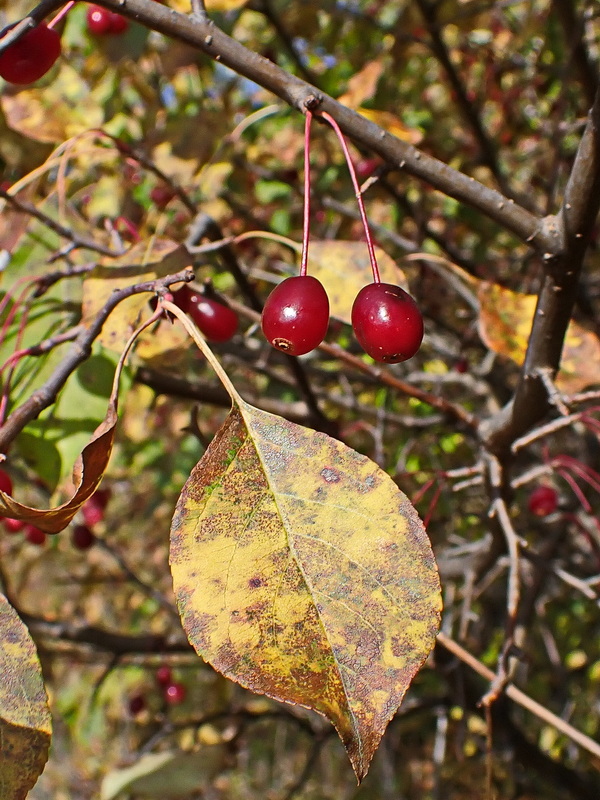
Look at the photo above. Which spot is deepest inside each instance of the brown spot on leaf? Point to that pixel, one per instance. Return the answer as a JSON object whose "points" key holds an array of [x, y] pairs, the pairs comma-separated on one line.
{"points": [[330, 475]]}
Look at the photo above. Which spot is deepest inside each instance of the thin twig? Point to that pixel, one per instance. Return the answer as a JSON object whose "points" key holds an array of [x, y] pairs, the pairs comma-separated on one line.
{"points": [[540, 711]]}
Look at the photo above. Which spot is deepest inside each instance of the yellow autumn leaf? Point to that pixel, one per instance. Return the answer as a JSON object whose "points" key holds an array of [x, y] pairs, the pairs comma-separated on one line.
{"points": [[505, 321], [362, 85], [392, 124], [142, 262], [302, 572], [56, 112], [25, 723]]}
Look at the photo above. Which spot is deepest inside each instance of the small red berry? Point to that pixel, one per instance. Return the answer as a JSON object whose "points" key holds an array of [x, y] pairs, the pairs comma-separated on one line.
{"points": [[101, 21], [98, 20], [164, 675], [366, 167], [102, 496], [13, 525], [118, 23], [29, 58], [543, 500], [92, 511], [216, 320], [296, 315], [6, 484], [137, 704], [161, 195], [35, 535], [175, 693], [387, 322], [82, 537]]}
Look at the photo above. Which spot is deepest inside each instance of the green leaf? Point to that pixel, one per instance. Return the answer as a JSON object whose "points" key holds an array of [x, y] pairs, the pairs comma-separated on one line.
{"points": [[302, 572], [25, 724]]}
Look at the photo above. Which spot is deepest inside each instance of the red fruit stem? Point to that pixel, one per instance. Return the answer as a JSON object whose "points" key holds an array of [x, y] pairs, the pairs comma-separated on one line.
{"points": [[432, 506], [361, 205], [589, 475], [306, 229], [568, 478], [62, 13]]}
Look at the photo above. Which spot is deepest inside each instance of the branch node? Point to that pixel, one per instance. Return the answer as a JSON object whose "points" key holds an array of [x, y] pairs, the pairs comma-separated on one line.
{"points": [[312, 101]]}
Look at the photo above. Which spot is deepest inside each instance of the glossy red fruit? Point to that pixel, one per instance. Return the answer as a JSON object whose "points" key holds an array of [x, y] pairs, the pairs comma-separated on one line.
{"points": [[543, 500], [82, 537], [6, 484], [29, 58], [217, 321], [164, 675], [387, 322], [296, 315], [98, 20], [101, 21], [13, 525], [35, 535], [175, 693]]}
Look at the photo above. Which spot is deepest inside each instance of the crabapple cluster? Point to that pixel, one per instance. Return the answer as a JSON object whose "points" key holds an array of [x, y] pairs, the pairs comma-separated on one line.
{"points": [[82, 535], [386, 320], [101, 21], [172, 692], [31, 532]]}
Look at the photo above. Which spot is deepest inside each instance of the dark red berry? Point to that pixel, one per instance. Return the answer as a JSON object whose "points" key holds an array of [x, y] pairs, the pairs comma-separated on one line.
{"points": [[182, 297], [543, 500], [296, 315], [13, 525], [174, 693], [161, 195], [6, 484], [82, 537], [387, 322], [35, 535], [101, 21], [118, 23], [29, 58], [164, 675], [217, 321], [92, 511], [102, 496], [137, 704], [98, 20]]}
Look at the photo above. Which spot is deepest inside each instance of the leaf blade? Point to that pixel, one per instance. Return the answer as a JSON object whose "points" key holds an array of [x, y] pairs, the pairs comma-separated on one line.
{"points": [[280, 592], [25, 725]]}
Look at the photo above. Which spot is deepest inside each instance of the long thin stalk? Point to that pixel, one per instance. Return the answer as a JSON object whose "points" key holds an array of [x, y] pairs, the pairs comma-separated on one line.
{"points": [[358, 193]]}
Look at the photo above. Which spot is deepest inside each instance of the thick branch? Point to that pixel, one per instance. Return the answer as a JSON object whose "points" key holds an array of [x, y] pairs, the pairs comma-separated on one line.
{"points": [[79, 352], [572, 230], [205, 36]]}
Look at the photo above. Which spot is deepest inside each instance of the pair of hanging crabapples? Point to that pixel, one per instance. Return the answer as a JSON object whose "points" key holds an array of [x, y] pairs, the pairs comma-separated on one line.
{"points": [[386, 320]]}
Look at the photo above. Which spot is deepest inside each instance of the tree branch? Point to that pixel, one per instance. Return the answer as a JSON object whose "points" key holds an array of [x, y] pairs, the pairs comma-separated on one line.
{"points": [[572, 229], [205, 36], [79, 352]]}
